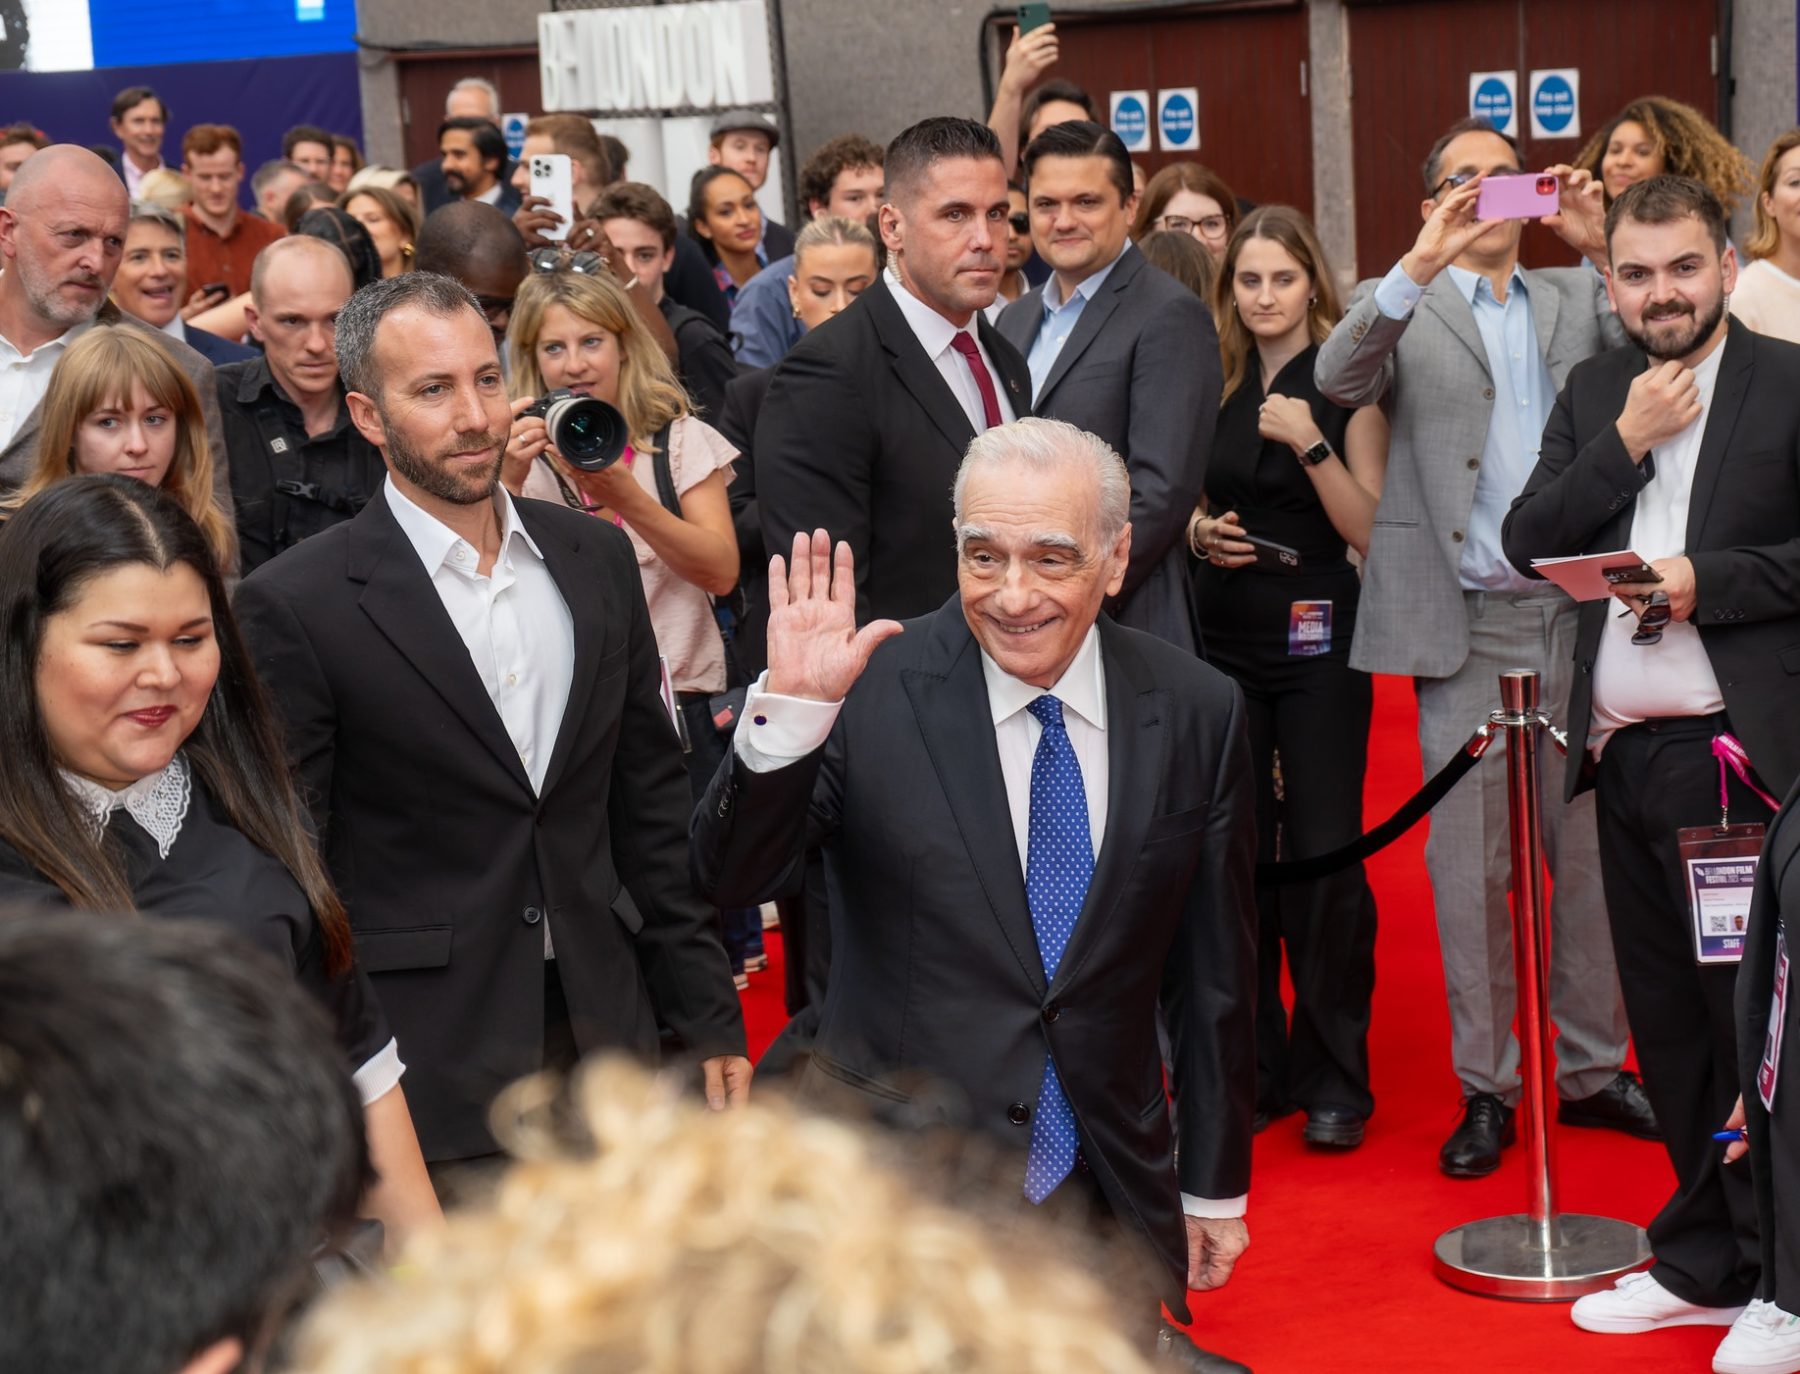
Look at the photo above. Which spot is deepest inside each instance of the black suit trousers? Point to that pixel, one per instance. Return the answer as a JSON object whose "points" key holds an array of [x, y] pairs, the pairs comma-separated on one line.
{"points": [[1654, 779]]}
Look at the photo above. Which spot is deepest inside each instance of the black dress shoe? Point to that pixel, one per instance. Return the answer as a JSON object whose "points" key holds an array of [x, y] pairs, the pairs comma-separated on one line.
{"points": [[1175, 1350], [1620, 1106], [1340, 1128], [1473, 1150]]}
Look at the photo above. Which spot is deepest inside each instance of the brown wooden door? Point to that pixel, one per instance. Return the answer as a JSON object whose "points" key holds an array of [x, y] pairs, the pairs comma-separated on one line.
{"points": [[1246, 61], [426, 78], [1410, 62]]}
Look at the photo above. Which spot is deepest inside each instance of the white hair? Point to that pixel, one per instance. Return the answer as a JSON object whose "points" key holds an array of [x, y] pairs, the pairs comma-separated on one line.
{"points": [[1043, 445], [476, 83]]}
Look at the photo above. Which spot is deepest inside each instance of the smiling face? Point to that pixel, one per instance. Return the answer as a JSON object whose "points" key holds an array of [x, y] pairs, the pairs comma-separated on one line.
{"points": [[1630, 156], [827, 277], [133, 436], [947, 234], [731, 218], [1078, 218], [1031, 565], [1781, 203], [1669, 282], [1190, 212], [140, 129], [466, 173], [124, 672], [578, 354], [151, 282], [1271, 290], [343, 167]]}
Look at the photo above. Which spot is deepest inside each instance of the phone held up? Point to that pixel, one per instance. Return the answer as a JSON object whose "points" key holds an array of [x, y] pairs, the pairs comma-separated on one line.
{"points": [[1531, 195], [552, 177], [1033, 16]]}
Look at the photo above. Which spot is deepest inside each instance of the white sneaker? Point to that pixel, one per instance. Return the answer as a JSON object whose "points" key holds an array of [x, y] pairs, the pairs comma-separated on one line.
{"points": [[1764, 1340], [1637, 1303]]}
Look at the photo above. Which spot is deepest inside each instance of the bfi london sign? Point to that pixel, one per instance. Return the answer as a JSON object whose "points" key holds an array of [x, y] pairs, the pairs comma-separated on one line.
{"points": [[709, 55]]}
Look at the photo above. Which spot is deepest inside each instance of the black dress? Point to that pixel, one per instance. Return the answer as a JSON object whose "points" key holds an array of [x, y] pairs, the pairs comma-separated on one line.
{"points": [[1307, 706], [214, 873]]}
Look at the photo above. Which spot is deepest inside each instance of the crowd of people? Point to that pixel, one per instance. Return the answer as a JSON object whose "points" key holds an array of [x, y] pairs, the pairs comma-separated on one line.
{"points": [[988, 578]]}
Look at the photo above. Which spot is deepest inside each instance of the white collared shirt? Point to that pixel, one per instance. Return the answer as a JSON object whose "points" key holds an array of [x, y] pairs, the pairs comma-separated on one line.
{"points": [[1673, 677], [513, 620], [176, 329], [492, 195], [934, 334], [774, 731], [25, 377]]}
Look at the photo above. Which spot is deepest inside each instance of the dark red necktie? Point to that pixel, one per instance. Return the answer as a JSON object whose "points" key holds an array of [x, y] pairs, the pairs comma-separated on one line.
{"points": [[990, 399]]}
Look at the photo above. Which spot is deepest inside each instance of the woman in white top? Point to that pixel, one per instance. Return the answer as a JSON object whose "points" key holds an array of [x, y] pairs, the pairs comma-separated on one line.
{"points": [[1767, 297]]}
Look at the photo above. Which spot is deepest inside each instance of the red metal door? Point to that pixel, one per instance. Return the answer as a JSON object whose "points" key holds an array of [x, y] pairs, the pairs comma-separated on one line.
{"points": [[426, 78]]}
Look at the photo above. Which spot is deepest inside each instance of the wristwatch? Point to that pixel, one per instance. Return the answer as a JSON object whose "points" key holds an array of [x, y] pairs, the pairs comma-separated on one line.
{"points": [[1317, 454]]}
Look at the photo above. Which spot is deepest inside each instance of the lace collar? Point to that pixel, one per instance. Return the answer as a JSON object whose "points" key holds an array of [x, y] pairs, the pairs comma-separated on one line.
{"points": [[159, 802]]}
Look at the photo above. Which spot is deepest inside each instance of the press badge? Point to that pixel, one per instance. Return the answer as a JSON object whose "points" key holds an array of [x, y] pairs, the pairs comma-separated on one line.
{"points": [[1769, 1070], [1720, 864], [1309, 629]]}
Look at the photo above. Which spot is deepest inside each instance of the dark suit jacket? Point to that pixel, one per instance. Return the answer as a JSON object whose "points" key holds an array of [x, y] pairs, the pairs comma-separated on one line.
{"points": [[704, 364], [448, 862], [433, 193], [861, 435], [1743, 532], [1141, 370], [937, 1003], [216, 349], [744, 395]]}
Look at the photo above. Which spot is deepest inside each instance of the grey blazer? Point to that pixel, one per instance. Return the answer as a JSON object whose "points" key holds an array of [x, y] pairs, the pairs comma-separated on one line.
{"points": [[1433, 371], [1141, 370], [18, 457]]}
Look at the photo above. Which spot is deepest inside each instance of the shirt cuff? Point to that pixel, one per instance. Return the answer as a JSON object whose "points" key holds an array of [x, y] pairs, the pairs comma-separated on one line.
{"points": [[381, 1075], [1398, 294], [1215, 1207], [777, 730]]}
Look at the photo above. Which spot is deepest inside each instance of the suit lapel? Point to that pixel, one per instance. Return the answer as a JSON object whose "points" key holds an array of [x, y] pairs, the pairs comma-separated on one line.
{"points": [[399, 598], [950, 701], [1135, 707], [1445, 301], [1092, 319], [1015, 376], [1546, 305], [917, 373], [587, 611], [1729, 389]]}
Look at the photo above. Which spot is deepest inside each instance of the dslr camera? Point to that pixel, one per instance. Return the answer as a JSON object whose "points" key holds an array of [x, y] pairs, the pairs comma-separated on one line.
{"points": [[588, 432]]}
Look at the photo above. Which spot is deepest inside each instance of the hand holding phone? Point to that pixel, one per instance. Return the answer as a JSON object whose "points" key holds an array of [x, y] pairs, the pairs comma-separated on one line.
{"points": [[1033, 15], [1531, 195], [553, 178]]}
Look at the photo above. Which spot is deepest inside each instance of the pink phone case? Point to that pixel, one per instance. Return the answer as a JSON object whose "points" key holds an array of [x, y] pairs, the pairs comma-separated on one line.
{"points": [[1528, 196]]}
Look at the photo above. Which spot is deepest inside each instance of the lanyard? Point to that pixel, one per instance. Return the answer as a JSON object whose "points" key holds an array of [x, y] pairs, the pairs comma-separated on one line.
{"points": [[1727, 750]]}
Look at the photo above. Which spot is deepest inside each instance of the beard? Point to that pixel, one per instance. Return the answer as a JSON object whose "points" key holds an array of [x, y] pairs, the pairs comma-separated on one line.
{"points": [[434, 475], [1676, 342], [456, 183], [41, 290]]}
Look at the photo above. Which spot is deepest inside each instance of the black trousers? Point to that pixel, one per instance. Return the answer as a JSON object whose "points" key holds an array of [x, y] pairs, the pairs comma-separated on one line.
{"points": [[1654, 779], [1312, 714]]}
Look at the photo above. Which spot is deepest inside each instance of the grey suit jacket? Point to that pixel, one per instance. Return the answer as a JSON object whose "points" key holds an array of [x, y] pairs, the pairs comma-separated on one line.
{"points": [[1433, 371], [1141, 370], [18, 457]]}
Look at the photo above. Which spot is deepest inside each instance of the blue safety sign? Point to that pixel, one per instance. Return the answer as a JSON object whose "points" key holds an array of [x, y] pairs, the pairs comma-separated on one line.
{"points": [[1556, 103], [1131, 119]]}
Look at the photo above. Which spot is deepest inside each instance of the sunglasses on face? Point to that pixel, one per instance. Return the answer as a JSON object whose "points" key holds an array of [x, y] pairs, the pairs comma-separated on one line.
{"points": [[1211, 227], [1652, 620], [561, 260], [496, 308], [1021, 223]]}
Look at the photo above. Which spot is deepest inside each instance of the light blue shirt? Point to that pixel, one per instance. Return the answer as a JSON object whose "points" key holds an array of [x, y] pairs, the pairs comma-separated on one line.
{"points": [[1523, 395], [1060, 317], [763, 324]]}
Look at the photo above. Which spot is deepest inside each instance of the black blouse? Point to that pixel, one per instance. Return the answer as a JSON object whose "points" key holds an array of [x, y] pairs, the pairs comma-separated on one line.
{"points": [[1262, 480], [214, 873]]}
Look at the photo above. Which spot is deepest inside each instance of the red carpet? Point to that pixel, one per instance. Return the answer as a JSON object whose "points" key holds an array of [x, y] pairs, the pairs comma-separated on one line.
{"points": [[1338, 1276]]}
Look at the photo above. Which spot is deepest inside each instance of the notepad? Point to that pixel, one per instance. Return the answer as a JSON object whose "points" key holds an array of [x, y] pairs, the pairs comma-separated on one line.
{"points": [[1584, 576]]}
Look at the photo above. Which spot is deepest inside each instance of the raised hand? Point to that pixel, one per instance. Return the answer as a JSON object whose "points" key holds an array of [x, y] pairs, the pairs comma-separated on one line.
{"points": [[1028, 57], [1663, 401], [815, 649], [1448, 232], [1580, 218]]}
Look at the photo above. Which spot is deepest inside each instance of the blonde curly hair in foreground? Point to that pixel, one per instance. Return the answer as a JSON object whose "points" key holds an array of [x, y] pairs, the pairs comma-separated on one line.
{"points": [[760, 1241]]}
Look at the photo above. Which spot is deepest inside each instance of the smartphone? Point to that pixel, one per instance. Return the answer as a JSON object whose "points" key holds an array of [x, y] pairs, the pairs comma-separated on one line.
{"points": [[1630, 572], [1527, 196], [553, 179], [1033, 16], [216, 289], [1273, 556]]}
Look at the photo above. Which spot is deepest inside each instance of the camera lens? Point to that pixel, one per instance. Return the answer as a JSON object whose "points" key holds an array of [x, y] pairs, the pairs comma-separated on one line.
{"points": [[586, 431], [1545, 185]]}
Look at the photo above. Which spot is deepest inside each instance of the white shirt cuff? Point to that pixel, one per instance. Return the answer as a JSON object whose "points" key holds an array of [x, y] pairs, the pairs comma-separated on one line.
{"points": [[1397, 294], [777, 730], [1215, 1207], [381, 1075]]}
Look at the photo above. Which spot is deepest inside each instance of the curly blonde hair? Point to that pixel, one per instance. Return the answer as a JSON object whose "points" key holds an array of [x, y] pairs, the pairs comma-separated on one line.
{"points": [[1687, 143], [741, 1242]]}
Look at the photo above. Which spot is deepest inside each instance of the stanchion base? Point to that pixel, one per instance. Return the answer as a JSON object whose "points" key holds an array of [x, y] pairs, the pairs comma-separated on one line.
{"points": [[1505, 1257]]}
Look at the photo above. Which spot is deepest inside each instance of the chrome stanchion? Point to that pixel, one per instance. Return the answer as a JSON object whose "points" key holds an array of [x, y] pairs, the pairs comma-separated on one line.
{"points": [[1539, 1255]]}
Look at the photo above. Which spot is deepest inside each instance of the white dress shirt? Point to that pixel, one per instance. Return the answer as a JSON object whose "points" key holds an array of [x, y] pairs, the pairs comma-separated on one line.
{"points": [[934, 334], [25, 377], [513, 620], [176, 329], [775, 730], [134, 177], [1673, 677]]}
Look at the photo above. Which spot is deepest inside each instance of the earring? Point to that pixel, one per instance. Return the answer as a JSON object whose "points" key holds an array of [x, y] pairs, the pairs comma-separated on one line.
{"points": [[796, 310], [1312, 303]]}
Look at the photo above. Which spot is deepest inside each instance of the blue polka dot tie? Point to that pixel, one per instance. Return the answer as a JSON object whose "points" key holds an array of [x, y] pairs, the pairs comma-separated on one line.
{"points": [[1059, 861]]}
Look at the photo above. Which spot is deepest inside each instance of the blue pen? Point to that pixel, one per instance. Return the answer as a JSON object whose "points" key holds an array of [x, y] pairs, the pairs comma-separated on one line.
{"points": [[1739, 1134]]}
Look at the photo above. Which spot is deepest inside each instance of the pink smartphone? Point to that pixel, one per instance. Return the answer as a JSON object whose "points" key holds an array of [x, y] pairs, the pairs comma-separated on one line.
{"points": [[1528, 196]]}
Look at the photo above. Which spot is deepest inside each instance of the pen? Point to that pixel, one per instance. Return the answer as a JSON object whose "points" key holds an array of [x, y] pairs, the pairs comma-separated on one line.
{"points": [[1739, 1134]]}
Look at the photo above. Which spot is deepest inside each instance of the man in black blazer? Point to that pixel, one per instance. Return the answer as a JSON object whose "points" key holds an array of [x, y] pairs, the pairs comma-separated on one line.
{"points": [[1121, 349], [1684, 447], [1013, 893], [472, 700], [869, 414]]}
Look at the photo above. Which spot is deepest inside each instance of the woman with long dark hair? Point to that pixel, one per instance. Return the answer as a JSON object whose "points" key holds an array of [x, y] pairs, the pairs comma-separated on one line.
{"points": [[1290, 468], [145, 772]]}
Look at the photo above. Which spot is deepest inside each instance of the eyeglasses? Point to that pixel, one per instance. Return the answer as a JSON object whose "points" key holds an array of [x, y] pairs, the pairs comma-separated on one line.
{"points": [[1652, 619], [1021, 223], [561, 260], [1211, 227], [1451, 182]]}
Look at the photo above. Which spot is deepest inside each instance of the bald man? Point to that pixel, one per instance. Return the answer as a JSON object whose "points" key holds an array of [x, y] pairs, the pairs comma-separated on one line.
{"points": [[62, 232], [302, 466]]}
